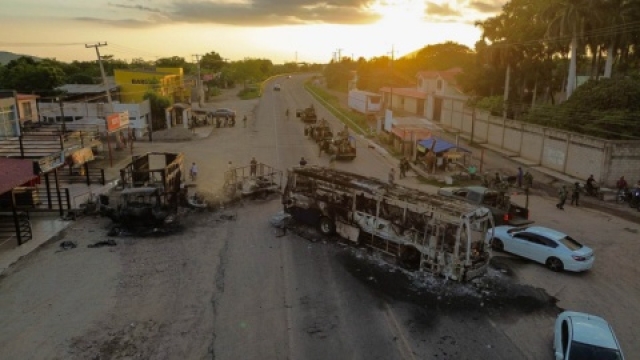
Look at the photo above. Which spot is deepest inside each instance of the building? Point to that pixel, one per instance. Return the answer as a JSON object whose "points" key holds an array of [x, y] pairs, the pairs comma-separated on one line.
{"points": [[169, 82], [425, 99], [10, 113]]}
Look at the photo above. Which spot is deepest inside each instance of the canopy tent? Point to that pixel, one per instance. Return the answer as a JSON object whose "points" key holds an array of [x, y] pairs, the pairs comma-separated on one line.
{"points": [[441, 145]]}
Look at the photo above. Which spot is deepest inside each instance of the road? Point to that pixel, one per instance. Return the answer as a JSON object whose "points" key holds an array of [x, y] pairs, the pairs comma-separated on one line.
{"points": [[231, 289]]}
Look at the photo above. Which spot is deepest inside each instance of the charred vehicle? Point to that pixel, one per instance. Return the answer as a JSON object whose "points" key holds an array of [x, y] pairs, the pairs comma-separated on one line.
{"points": [[243, 182], [505, 212], [142, 210], [422, 231], [307, 115]]}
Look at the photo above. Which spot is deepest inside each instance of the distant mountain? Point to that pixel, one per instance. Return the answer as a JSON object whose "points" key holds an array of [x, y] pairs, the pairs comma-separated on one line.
{"points": [[6, 56]]}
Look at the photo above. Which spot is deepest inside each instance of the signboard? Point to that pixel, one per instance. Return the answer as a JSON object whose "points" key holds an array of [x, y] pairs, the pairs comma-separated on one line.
{"points": [[117, 121], [49, 162]]}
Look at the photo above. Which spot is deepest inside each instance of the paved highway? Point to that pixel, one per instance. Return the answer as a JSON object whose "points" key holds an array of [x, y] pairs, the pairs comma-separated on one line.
{"points": [[232, 289]]}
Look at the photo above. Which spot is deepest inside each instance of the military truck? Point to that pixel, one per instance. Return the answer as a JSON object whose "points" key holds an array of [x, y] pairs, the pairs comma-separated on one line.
{"points": [[319, 132], [504, 211], [307, 115], [342, 148]]}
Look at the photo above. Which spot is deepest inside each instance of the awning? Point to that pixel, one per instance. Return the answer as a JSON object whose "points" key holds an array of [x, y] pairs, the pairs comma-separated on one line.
{"points": [[15, 172], [408, 133], [441, 145]]}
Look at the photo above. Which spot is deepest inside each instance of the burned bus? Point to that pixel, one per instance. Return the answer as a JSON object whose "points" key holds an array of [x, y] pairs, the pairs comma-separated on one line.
{"points": [[421, 231]]}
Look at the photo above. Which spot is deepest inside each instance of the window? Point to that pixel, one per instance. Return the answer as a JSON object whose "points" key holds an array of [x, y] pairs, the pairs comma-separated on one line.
{"points": [[571, 243]]}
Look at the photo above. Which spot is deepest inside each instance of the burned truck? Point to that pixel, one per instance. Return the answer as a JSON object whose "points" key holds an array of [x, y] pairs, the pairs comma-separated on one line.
{"points": [[424, 232], [142, 210]]}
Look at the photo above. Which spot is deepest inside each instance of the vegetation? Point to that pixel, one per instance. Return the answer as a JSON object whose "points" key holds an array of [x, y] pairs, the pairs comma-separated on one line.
{"points": [[350, 119], [528, 61], [249, 93], [526, 64]]}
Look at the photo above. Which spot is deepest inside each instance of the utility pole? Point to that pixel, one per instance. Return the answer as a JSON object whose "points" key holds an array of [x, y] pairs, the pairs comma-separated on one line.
{"points": [[393, 51], [339, 52], [199, 83], [104, 76], [108, 91]]}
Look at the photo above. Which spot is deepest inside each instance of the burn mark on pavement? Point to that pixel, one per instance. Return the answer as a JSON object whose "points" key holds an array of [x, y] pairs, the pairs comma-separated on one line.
{"points": [[493, 293]]}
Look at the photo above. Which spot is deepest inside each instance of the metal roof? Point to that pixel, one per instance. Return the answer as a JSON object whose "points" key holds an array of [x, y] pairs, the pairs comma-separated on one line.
{"points": [[15, 172], [88, 88]]}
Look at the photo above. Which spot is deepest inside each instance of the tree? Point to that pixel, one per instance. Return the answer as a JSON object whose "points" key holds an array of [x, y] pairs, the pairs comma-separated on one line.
{"points": [[212, 61], [158, 104], [30, 76], [567, 20], [171, 62]]}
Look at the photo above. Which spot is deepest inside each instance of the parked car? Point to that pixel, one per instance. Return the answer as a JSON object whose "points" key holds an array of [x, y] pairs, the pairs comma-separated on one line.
{"points": [[276, 87], [558, 251], [580, 336], [223, 112]]}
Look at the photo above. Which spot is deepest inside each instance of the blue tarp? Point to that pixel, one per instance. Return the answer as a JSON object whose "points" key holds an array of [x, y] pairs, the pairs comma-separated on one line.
{"points": [[441, 145]]}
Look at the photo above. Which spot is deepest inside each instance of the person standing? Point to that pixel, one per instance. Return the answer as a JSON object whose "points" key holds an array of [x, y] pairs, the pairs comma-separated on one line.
{"points": [[562, 194], [244, 121], [520, 176], [403, 168], [392, 176], [253, 166], [193, 172], [528, 180], [303, 162], [575, 194]]}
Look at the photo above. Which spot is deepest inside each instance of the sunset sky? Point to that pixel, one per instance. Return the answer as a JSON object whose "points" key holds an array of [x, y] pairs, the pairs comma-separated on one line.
{"points": [[273, 29]]}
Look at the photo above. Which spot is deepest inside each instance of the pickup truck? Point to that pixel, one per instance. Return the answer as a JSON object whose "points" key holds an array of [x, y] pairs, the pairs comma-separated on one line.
{"points": [[504, 211]]}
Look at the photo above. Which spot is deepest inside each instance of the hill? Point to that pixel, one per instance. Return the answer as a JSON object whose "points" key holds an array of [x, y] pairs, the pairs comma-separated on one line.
{"points": [[6, 56]]}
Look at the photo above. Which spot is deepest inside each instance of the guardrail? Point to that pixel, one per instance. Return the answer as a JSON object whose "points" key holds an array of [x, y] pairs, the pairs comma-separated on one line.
{"points": [[8, 228], [91, 176]]}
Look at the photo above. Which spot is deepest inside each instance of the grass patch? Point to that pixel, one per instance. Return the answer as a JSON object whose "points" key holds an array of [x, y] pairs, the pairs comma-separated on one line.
{"points": [[249, 93], [345, 115]]}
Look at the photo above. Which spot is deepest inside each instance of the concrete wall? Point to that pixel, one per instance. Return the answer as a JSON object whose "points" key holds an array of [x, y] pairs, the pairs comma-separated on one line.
{"points": [[572, 154]]}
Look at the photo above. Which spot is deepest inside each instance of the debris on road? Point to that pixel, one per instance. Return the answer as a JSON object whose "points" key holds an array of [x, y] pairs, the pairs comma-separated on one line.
{"points": [[109, 242], [67, 244], [493, 292]]}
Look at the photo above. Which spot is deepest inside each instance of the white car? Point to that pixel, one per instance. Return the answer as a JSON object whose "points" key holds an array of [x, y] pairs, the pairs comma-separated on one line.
{"points": [[580, 336], [558, 251], [276, 87]]}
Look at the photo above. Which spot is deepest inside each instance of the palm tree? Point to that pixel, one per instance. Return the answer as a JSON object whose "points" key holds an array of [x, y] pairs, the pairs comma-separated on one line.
{"points": [[568, 17]]}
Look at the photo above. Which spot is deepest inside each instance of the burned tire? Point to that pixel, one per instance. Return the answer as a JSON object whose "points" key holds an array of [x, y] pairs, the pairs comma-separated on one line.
{"points": [[497, 245], [326, 226], [114, 231], [409, 258], [555, 264]]}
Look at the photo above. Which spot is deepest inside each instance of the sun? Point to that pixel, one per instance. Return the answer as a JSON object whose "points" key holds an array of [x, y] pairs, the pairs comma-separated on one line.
{"points": [[399, 12]]}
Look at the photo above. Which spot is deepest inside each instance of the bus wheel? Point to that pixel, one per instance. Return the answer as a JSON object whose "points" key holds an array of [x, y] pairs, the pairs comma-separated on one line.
{"points": [[326, 226]]}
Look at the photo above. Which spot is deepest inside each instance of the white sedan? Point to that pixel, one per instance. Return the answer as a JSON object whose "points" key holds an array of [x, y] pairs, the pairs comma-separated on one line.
{"points": [[580, 336], [558, 251]]}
